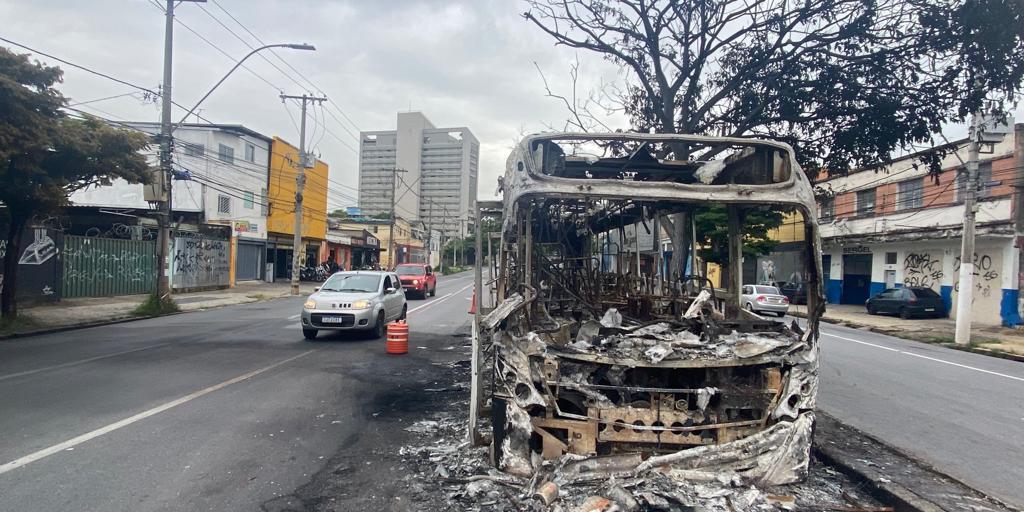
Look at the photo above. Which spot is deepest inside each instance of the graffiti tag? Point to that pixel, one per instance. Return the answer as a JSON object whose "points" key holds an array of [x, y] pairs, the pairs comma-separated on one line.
{"points": [[920, 269]]}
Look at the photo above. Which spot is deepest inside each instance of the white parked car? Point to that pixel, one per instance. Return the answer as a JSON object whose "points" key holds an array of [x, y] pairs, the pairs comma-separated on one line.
{"points": [[354, 301], [760, 298]]}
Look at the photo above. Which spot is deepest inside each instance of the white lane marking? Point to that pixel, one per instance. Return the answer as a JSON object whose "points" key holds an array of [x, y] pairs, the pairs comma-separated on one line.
{"points": [[862, 342], [982, 370], [76, 363], [442, 297], [295, 317], [71, 443]]}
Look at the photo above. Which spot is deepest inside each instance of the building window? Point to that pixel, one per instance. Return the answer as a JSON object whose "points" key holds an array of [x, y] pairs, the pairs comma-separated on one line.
{"points": [[247, 200], [890, 258], [985, 182], [910, 194], [226, 153], [223, 204], [193, 149], [866, 202], [828, 209], [250, 153]]}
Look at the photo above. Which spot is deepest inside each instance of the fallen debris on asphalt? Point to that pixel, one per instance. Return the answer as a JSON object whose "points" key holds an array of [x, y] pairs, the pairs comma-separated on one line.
{"points": [[446, 472]]}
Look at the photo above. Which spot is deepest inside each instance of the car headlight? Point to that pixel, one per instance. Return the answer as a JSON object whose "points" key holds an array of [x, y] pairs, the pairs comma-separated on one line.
{"points": [[361, 304], [310, 304], [415, 282]]}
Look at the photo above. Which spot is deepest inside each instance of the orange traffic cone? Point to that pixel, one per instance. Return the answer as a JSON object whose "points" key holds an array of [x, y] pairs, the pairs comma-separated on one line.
{"points": [[397, 338], [472, 307]]}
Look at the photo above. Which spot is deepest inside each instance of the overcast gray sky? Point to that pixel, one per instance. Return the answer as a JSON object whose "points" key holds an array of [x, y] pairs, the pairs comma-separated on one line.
{"points": [[462, 63]]}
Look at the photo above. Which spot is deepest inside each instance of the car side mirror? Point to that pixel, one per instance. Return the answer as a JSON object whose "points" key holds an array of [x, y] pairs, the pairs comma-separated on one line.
{"points": [[390, 290], [316, 289]]}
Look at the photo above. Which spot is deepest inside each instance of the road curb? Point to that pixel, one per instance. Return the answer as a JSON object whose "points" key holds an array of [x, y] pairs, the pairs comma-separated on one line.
{"points": [[101, 323], [63, 328], [897, 496], [862, 327], [890, 476]]}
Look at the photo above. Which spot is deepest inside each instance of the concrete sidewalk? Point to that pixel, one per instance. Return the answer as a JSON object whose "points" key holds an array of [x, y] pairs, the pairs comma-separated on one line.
{"points": [[82, 312], [984, 338]]}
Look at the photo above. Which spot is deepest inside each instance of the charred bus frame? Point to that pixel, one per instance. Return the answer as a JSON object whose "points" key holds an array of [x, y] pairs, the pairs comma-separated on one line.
{"points": [[595, 354]]}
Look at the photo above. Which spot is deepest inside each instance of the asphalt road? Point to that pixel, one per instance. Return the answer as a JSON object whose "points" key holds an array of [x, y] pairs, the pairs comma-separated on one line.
{"points": [[230, 409], [961, 412], [225, 409]]}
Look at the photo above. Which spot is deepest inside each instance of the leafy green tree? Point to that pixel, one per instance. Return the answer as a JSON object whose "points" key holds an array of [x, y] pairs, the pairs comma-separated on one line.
{"points": [[467, 245], [45, 155], [338, 214], [847, 83]]}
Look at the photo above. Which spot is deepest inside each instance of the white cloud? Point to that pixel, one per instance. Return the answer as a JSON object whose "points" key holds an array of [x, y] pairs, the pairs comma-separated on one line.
{"points": [[462, 63]]}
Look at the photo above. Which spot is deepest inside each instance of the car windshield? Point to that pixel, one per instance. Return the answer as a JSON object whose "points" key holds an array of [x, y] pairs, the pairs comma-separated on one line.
{"points": [[767, 289], [411, 270], [351, 283], [924, 293]]}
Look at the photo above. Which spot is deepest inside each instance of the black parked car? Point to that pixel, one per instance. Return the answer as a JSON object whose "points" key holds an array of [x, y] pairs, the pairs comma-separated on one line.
{"points": [[908, 302], [796, 292]]}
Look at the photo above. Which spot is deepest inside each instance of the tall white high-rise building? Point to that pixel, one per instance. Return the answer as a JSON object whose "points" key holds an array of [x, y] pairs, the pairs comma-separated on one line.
{"points": [[436, 169]]}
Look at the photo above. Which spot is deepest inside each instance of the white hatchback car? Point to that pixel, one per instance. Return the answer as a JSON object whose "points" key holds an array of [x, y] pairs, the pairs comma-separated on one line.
{"points": [[354, 301]]}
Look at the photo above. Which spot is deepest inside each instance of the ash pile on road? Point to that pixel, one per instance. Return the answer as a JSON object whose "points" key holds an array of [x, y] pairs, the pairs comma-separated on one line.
{"points": [[447, 473]]}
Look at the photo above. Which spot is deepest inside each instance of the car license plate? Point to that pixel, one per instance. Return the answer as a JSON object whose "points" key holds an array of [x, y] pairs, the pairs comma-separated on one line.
{"points": [[929, 309], [332, 320]]}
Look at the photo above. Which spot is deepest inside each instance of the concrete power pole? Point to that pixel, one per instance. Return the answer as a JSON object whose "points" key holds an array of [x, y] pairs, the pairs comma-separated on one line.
{"points": [[394, 215], [305, 162], [163, 177], [965, 285], [1018, 205], [430, 227]]}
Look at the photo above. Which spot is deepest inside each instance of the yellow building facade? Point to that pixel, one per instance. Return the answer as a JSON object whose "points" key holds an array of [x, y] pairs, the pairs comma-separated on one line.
{"points": [[284, 167]]}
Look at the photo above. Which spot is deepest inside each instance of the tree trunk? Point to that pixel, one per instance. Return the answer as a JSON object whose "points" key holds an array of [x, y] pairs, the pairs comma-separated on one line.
{"points": [[9, 287], [678, 227]]}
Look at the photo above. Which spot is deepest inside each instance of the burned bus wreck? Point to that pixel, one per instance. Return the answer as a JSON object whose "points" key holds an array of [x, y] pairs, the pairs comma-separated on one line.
{"points": [[634, 357]]}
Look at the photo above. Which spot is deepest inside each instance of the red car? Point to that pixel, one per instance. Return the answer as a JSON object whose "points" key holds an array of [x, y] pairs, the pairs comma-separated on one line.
{"points": [[417, 279]]}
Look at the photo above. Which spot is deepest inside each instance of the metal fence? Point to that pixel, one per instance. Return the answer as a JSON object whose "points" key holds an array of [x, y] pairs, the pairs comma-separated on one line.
{"points": [[101, 267]]}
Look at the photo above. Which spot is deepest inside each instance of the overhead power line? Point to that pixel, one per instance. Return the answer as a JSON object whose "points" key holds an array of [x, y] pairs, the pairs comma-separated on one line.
{"points": [[332, 104], [97, 73]]}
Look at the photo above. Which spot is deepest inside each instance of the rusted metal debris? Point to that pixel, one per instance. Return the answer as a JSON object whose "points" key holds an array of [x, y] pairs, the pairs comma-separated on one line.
{"points": [[639, 369], [448, 473]]}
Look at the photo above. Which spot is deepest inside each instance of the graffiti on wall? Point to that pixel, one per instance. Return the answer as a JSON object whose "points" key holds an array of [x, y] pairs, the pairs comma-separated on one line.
{"points": [[38, 263], [921, 269], [986, 275], [767, 274], [200, 262], [90, 264]]}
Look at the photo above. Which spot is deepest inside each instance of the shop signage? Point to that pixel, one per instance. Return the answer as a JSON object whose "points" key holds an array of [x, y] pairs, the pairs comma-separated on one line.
{"points": [[244, 226], [856, 249]]}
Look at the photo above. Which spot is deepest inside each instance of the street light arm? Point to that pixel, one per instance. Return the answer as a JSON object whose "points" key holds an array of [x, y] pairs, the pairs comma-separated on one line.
{"points": [[232, 70]]}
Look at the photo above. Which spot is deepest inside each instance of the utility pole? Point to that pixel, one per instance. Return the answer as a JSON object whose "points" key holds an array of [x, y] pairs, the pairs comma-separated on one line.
{"points": [[394, 215], [305, 162], [1018, 202], [163, 177], [430, 229], [965, 286]]}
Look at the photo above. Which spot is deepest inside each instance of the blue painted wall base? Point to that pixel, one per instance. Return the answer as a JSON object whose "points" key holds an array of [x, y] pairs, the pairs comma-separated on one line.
{"points": [[1008, 308], [833, 291], [947, 297], [875, 289]]}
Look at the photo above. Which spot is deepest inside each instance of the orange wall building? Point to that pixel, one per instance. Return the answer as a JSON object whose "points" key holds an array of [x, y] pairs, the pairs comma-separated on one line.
{"points": [[284, 167]]}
